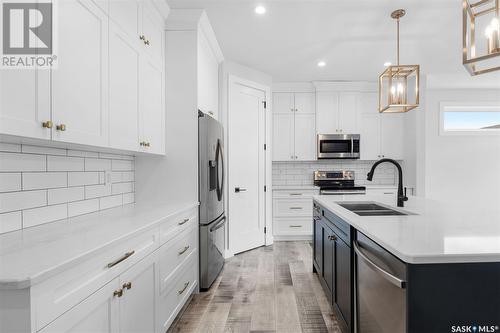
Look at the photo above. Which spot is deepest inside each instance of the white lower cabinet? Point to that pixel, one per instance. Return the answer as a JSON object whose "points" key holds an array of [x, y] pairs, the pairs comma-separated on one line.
{"points": [[97, 313], [292, 214], [390, 192]]}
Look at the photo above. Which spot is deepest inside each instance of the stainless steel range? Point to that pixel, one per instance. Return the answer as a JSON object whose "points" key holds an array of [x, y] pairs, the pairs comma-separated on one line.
{"points": [[337, 183]]}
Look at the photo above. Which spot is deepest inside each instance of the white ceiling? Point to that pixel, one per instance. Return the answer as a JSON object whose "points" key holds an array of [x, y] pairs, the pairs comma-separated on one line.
{"points": [[354, 37]]}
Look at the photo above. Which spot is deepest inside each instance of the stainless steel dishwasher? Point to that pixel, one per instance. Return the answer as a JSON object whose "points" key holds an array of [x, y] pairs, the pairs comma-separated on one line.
{"points": [[380, 288]]}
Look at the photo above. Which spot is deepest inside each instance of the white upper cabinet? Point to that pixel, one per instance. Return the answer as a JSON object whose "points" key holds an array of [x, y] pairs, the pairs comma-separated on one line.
{"points": [[152, 29], [283, 103], [79, 84], [305, 137], [125, 14], [391, 135], [124, 59], [305, 103], [283, 137], [294, 126], [336, 112], [369, 130], [25, 103], [208, 77], [152, 110]]}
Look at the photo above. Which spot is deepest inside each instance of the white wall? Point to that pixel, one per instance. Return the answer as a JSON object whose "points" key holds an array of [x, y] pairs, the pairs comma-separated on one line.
{"points": [[174, 177], [460, 168]]}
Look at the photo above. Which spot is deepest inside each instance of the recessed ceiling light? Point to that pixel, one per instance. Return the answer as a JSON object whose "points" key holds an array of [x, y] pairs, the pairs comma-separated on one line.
{"points": [[387, 63], [260, 10], [321, 64]]}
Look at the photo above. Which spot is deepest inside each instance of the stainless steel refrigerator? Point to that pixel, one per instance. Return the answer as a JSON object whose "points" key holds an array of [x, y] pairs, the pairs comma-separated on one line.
{"points": [[211, 196]]}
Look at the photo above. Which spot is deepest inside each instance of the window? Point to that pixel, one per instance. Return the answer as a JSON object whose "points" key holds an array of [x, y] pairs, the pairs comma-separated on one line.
{"points": [[477, 119]]}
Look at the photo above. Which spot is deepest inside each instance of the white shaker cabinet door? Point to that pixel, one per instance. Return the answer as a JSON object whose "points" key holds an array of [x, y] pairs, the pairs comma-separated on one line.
{"points": [[151, 107], [79, 83], [25, 102], [305, 103], [327, 105], [305, 137], [283, 133], [283, 103], [152, 29], [347, 113], [369, 130], [126, 15], [123, 91], [98, 313], [391, 135], [140, 288]]}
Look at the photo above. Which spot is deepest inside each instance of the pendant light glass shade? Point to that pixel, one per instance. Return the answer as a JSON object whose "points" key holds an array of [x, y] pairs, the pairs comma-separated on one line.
{"points": [[481, 36], [399, 84]]}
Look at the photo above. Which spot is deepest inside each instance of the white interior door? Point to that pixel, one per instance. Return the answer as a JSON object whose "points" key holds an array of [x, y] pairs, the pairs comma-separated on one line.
{"points": [[246, 133]]}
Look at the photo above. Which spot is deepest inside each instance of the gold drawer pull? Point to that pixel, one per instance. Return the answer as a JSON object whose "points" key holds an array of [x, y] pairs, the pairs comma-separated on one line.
{"points": [[183, 222], [61, 127], [295, 194], [118, 293], [181, 252], [295, 226], [296, 208], [127, 285], [125, 256], [184, 289], [47, 124]]}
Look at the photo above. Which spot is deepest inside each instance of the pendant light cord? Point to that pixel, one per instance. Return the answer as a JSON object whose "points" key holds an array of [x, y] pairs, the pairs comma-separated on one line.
{"points": [[398, 43]]}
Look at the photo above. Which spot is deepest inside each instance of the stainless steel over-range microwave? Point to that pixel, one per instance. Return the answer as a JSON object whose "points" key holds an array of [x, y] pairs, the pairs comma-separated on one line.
{"points": [[342, 146]]}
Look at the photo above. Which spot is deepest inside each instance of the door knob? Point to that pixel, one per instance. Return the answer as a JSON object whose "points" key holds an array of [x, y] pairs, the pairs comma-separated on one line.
{"points": [[61, 127], [47, 124], [239, 189]]}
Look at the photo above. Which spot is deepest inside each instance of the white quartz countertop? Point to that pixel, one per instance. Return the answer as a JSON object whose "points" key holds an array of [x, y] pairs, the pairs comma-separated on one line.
{"points": [[439, 232], [31, 255]]}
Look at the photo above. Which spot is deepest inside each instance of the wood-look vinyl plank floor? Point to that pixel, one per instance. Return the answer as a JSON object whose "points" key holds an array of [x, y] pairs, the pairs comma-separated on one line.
{"points": [[269, 289]]}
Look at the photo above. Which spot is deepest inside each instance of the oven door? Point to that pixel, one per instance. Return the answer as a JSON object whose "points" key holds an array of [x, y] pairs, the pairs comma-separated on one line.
{"points": [[333, 146]]}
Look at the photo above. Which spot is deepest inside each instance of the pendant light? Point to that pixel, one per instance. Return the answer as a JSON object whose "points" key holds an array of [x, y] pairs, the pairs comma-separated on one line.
{"points": [[399, 84], [481, 53]]}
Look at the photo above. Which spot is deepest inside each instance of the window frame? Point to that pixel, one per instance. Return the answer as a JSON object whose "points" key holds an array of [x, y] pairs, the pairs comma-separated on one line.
{"points": [[467, 107]]}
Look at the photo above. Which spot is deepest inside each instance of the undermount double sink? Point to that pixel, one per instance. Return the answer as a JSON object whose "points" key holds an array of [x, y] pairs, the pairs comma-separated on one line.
{"points": [[371, 209]]}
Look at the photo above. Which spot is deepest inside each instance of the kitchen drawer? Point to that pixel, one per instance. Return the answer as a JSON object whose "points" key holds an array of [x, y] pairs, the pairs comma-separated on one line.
{"points": [[293, 226], [172, 254], [66, 289], [295, 194], [293, 207], [180, 286], [178, 223]]}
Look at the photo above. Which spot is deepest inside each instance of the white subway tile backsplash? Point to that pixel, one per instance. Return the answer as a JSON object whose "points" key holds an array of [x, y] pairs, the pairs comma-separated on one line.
{"points": [[97, 164], [10, 221], [10, 182], [41, 180], [13, 162], [83, 207], [122, 165], [63, 195], [112, 201], [64, 163], [36, 216], [119, 188], [12, 201], [43, 150], [10, 147], [96, 191], [43, 184], [83, 178]]}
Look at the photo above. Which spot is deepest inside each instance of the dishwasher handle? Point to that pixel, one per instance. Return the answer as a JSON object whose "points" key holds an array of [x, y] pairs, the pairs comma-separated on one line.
{"points": [[386, 275]]}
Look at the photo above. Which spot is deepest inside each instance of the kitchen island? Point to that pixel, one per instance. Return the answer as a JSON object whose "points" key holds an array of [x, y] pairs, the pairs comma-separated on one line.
{"points": [[435, 269]]}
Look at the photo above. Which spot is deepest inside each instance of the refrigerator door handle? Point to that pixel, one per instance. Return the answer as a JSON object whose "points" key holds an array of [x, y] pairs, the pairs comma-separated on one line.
{"points": [[220, 182], [218, 225]]}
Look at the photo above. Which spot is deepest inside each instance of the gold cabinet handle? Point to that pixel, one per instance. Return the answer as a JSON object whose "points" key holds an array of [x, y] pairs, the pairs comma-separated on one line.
{"points": [[47, 124], [184, 289], [296, 208], [142, 37], [146, 42], [141, 143], [295, 226], [125, 256], [118, 293], [147, 144], [127, 285], [183, 222], [332, 238], [181, 252], [61, 127]]}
